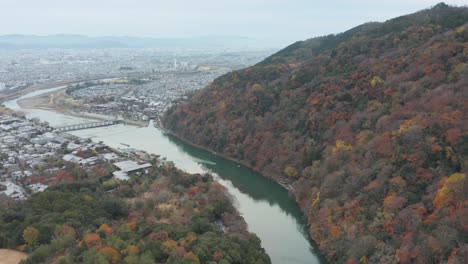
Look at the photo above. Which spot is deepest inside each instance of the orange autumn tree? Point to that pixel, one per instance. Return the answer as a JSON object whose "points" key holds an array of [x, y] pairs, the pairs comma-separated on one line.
{"points": [[191, 238], [132, 225], [335, 231], [131, 250], [65, 230], [111, 254], [104, 228], [93, 240]]}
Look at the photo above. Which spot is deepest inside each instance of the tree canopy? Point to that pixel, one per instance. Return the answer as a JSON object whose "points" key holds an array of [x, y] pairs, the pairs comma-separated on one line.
{"points": [[368, 126]]}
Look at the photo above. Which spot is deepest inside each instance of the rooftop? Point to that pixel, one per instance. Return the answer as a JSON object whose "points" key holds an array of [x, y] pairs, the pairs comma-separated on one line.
{"points": [[129, 166]]}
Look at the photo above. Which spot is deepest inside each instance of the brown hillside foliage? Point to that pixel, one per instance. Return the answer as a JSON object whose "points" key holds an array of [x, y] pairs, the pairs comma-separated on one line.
{"points": [[370, 128]]}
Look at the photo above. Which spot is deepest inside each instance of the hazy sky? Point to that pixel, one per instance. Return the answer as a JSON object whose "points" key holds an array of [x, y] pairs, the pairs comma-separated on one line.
{"points": [[281, 20]]}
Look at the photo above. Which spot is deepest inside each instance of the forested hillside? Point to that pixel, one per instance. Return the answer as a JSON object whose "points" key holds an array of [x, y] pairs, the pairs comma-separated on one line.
{"points": [[167, 216], [368, 126]]}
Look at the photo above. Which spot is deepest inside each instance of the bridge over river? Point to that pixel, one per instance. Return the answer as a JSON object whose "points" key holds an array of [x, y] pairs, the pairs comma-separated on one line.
{"points": [[88, 125]]}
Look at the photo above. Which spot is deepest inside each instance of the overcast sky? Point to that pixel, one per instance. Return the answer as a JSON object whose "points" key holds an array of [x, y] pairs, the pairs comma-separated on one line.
{"points": [[279, 20]]}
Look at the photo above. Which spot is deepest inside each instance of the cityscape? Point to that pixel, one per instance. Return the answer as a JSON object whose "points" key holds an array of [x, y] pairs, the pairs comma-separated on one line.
{"points": [[34, 156], [135, 85]]}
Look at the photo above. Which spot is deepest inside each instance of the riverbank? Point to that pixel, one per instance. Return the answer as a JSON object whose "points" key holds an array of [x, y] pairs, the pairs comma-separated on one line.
{"points": [[48, 101], [42, 101], [30, 89], [37, 87], [265, 205], [10, 256], [286, 186]]}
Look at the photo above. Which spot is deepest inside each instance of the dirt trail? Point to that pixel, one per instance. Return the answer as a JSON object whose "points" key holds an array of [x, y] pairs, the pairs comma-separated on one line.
{"points": [[9, 256]]}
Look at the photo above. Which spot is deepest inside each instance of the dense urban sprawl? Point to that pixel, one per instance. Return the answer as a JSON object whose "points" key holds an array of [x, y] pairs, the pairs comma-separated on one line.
{"points": [[34, 156]]}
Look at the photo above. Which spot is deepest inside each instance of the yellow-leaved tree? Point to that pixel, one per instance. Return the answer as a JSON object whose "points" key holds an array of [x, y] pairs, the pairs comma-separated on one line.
{"points": [[451, 187], [30, 235], [291, 172]]}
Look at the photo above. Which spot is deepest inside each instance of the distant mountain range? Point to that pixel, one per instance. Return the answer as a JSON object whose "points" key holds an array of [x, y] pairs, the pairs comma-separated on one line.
{"points": [[81, 41]]}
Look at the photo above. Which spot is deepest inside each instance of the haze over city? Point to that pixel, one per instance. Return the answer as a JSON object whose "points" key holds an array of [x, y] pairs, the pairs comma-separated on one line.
{"points": [[280, 21]]}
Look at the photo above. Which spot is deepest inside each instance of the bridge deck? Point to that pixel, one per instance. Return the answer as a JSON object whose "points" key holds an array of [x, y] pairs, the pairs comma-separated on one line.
{"points": [[87, 125]]}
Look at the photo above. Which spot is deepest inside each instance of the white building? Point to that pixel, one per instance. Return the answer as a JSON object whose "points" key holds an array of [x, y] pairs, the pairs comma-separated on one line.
{"points": [[129, 166], [13, 190], [38, 187], [123, 176]]}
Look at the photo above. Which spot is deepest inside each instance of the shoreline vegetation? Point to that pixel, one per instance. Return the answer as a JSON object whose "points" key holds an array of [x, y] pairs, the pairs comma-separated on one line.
{"points": [[287, 186]]}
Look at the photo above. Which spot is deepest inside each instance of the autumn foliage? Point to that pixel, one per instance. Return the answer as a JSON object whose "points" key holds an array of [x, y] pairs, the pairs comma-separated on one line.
{"points": [[105, 229], [163, 215], [111, 254], [30, 235], [92, 240], [368, 126]]}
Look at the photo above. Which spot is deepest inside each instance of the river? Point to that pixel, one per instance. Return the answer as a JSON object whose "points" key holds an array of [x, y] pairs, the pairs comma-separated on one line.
{"points": [[264, 204]]}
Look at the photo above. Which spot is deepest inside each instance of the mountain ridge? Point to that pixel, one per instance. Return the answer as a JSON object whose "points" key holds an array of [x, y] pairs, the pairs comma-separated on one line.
{"points": [[431, 15], [19, 41]]}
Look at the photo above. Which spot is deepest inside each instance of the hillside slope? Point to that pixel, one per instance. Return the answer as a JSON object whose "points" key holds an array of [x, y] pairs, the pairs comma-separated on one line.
{"points": [[368, 126]]}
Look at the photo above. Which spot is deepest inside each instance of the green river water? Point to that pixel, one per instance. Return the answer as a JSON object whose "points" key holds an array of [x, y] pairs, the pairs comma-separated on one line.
{"points": [[266, 206]]}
